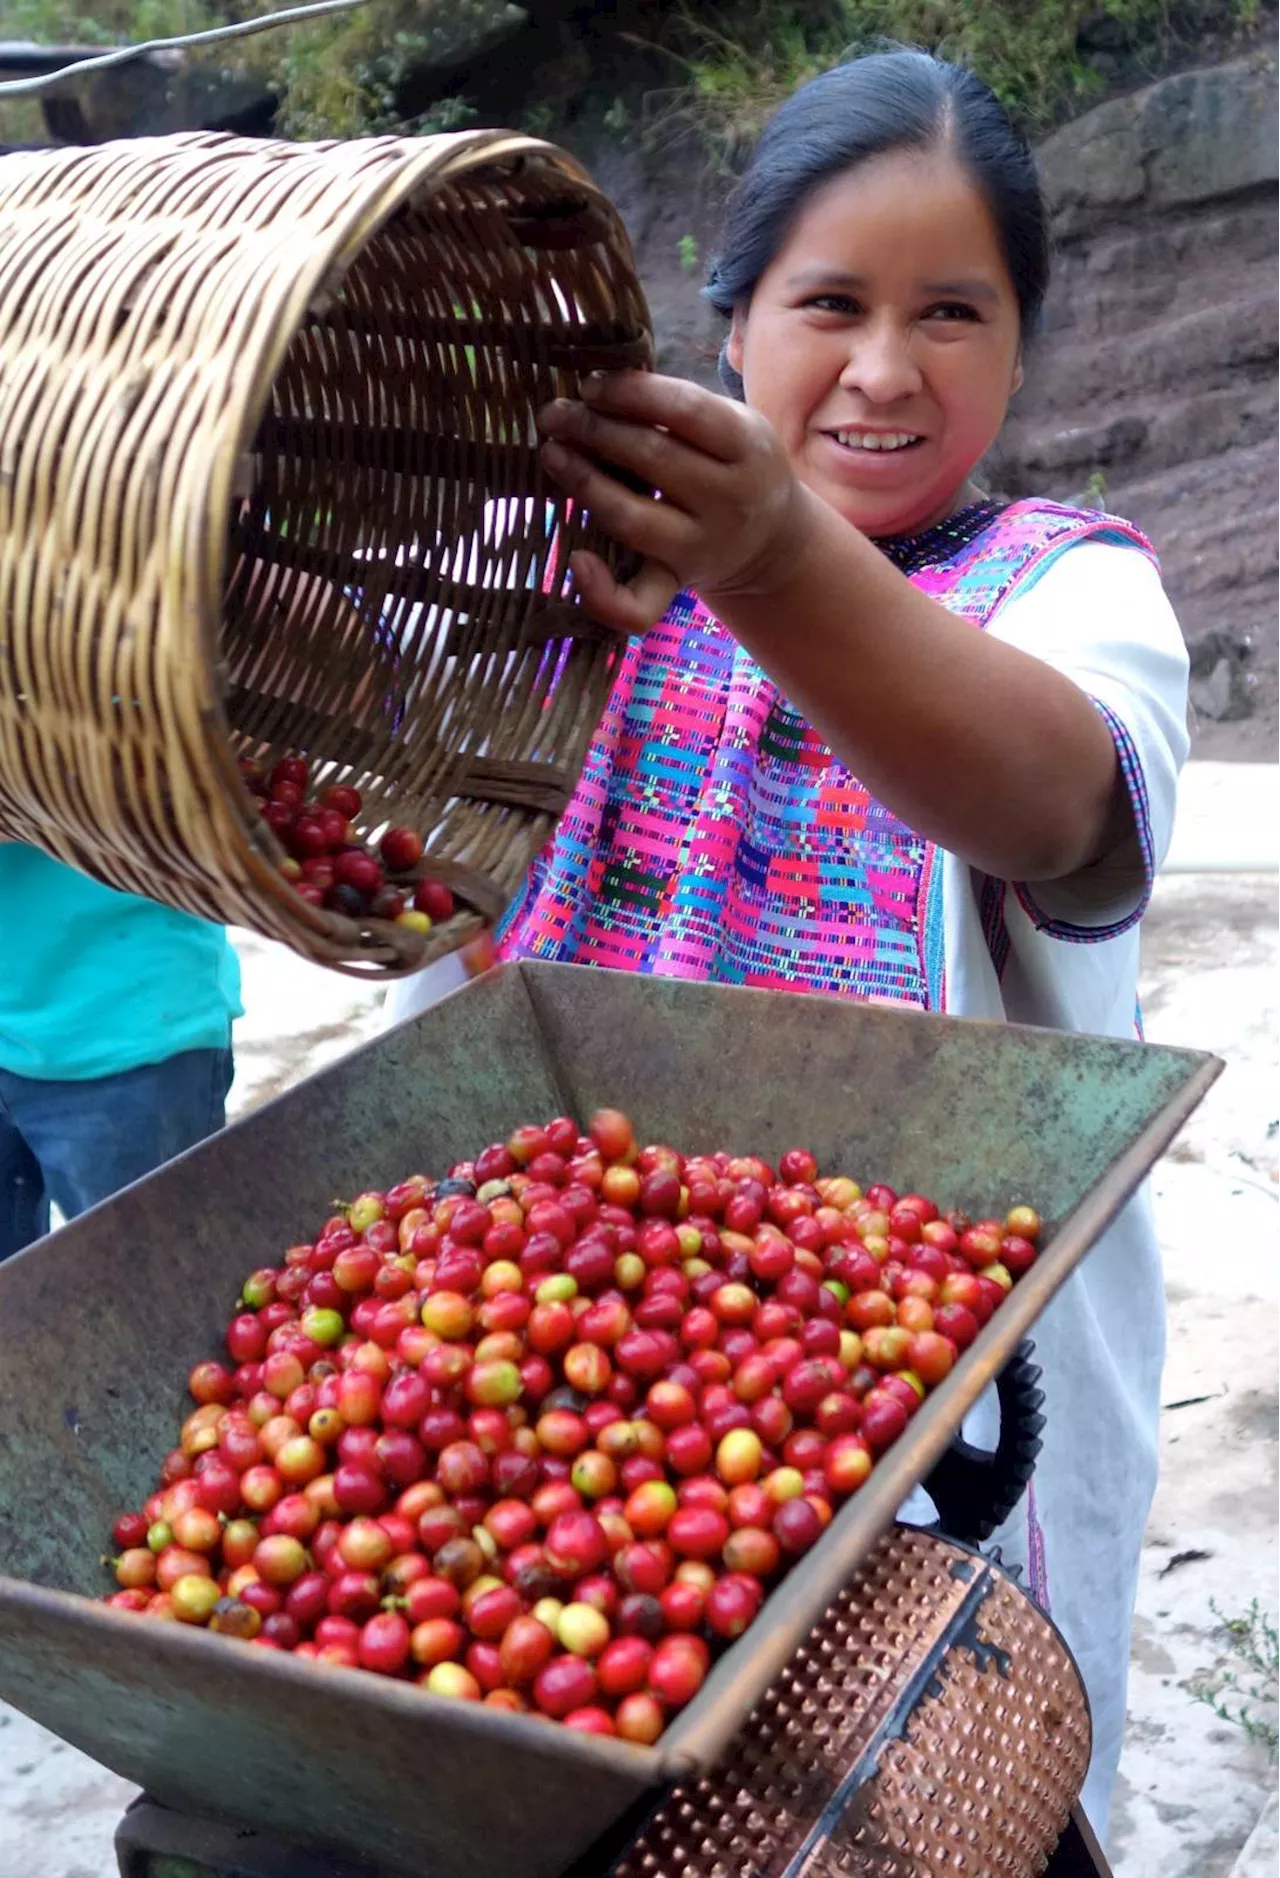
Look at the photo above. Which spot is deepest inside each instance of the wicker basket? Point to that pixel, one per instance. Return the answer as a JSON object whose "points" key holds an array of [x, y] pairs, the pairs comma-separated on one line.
{"points": [[269, 485]]}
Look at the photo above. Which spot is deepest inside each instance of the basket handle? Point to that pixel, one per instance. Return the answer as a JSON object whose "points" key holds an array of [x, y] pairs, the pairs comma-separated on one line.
{"points": [[976, 1491]]}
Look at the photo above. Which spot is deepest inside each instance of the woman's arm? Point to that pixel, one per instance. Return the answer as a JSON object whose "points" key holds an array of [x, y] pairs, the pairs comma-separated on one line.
{"points": [[975, 744]]}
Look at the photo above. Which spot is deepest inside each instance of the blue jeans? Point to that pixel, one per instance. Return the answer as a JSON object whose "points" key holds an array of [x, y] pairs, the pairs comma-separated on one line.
{"points": [[75, 1143]]}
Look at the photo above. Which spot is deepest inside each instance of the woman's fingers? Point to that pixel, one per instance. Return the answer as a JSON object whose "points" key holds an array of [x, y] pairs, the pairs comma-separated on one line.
{"points": [[703, 419], [726, 486], [686, 476], [633, 608], [653, 529]]}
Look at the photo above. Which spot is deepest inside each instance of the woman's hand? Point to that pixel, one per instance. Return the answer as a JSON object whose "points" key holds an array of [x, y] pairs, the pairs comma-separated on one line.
{"points": [[731, 518]]}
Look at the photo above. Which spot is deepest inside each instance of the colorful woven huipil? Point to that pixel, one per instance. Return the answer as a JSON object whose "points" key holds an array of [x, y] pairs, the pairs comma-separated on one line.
{"points": [[713, 835]]}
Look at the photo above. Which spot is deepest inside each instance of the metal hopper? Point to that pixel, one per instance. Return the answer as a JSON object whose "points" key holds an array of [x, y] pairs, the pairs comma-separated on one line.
{"points": [[102, 1322]]}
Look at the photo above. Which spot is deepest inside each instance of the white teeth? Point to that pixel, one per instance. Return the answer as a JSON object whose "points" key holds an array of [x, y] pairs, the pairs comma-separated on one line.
{"points": [[875, 440]]}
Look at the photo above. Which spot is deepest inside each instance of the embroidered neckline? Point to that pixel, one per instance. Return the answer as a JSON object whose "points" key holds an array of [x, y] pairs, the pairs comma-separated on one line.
{"points": [[910, 553]]}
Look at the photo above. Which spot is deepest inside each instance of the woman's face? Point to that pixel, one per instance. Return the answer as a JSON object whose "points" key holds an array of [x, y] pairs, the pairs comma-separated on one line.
{"points": [[883, 341]]}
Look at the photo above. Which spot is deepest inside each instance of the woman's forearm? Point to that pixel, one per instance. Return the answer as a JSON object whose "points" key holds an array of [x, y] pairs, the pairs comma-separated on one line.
{"points": [[975, 744]]}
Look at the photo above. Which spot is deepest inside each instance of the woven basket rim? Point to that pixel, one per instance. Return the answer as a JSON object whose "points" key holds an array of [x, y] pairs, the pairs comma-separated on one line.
{"points": [[344, 241], [396, 309]]}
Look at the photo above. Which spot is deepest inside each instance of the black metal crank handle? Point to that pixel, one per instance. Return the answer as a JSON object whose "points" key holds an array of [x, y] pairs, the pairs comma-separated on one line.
{"points": [[975, 1491]]}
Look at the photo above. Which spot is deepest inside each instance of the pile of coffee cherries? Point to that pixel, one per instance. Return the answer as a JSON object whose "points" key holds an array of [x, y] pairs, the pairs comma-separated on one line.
{"points": [[545, 1433], [327, 863]]}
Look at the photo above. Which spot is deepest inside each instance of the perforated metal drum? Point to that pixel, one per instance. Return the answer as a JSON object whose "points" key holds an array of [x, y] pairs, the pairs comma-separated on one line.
{"points": [[934, 1723]]}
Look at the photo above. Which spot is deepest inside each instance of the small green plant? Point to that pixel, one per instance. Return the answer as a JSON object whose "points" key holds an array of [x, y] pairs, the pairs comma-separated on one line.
{"points": [[539, 120], [688, 250], [1243, 1691], [447, 114], [618, 117], [1094, 495]]}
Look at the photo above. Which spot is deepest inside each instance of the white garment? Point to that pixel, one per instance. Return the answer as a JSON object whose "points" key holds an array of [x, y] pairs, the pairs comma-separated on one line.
{"points": [[1098, 614], [407, 996]]}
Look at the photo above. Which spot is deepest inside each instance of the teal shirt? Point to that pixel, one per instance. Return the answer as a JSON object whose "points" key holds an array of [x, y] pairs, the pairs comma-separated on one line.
{"points": [[95, 982]]}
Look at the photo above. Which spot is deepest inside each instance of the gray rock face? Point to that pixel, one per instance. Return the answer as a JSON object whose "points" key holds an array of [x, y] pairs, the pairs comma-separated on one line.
{"points": [[665, 198], [1211, 697], [156, 99], [1185, 140], [1153, 384]]}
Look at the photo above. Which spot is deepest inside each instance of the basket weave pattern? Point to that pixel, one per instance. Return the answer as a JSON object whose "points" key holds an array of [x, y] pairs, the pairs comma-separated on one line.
{"points": [[269, 485], [933, 1724]]}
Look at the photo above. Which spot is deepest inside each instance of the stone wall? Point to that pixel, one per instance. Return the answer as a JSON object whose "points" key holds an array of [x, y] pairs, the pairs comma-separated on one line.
{"points": [[1154, 381]]}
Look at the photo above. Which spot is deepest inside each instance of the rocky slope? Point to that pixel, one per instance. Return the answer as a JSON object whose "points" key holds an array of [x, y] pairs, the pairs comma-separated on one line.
{"points": [[1155, 378]]}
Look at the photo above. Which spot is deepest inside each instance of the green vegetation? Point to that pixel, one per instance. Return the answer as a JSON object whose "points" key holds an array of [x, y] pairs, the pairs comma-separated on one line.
{"points": [[1244, 1691], [109, 22], [346, 77], [737, 64], [337, 77], [383, 66]]}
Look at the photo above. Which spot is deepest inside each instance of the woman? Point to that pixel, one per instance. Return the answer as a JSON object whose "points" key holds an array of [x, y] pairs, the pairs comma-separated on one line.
{"points": [[874, 734]]}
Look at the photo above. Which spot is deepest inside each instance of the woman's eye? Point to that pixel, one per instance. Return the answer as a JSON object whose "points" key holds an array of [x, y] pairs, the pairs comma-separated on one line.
{"points": [[952, 310], [833, 303]]}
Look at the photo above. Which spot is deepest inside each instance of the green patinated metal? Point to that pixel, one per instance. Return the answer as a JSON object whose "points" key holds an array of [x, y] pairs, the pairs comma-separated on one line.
{"points": [[102, 1323]]}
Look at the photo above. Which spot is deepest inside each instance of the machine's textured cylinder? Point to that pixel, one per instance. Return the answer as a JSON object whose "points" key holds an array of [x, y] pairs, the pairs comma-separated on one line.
{"points": [[933, 1726]]}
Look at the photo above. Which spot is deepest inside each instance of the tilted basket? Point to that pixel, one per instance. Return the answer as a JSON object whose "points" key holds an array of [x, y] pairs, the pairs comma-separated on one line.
{"points": [[269, 485]]}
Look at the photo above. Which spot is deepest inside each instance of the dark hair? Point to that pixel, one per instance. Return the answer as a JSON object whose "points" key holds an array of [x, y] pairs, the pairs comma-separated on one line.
{"points": [[897, 100]]}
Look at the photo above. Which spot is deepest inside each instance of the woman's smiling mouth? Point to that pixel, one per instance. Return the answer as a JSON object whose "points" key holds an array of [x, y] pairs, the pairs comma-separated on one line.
{"points": [[856, 438]]}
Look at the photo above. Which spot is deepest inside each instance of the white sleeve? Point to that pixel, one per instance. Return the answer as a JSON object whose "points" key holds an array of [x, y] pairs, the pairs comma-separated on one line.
{"points": [[1100, 616], [406, 997]]}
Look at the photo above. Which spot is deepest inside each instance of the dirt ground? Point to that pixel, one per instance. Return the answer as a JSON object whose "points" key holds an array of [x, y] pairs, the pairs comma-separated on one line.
{"points": [[1253, 739], [1191, 1787], [1195, 1792]]}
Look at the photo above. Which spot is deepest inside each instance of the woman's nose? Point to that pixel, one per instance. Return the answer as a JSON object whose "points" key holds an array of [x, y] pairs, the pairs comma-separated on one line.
{"points": [[881, 364]]}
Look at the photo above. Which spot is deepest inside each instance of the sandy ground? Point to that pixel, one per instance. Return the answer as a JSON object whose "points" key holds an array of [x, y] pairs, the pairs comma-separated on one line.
{"points": [[1191, 1787], [1196, 1798]]}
